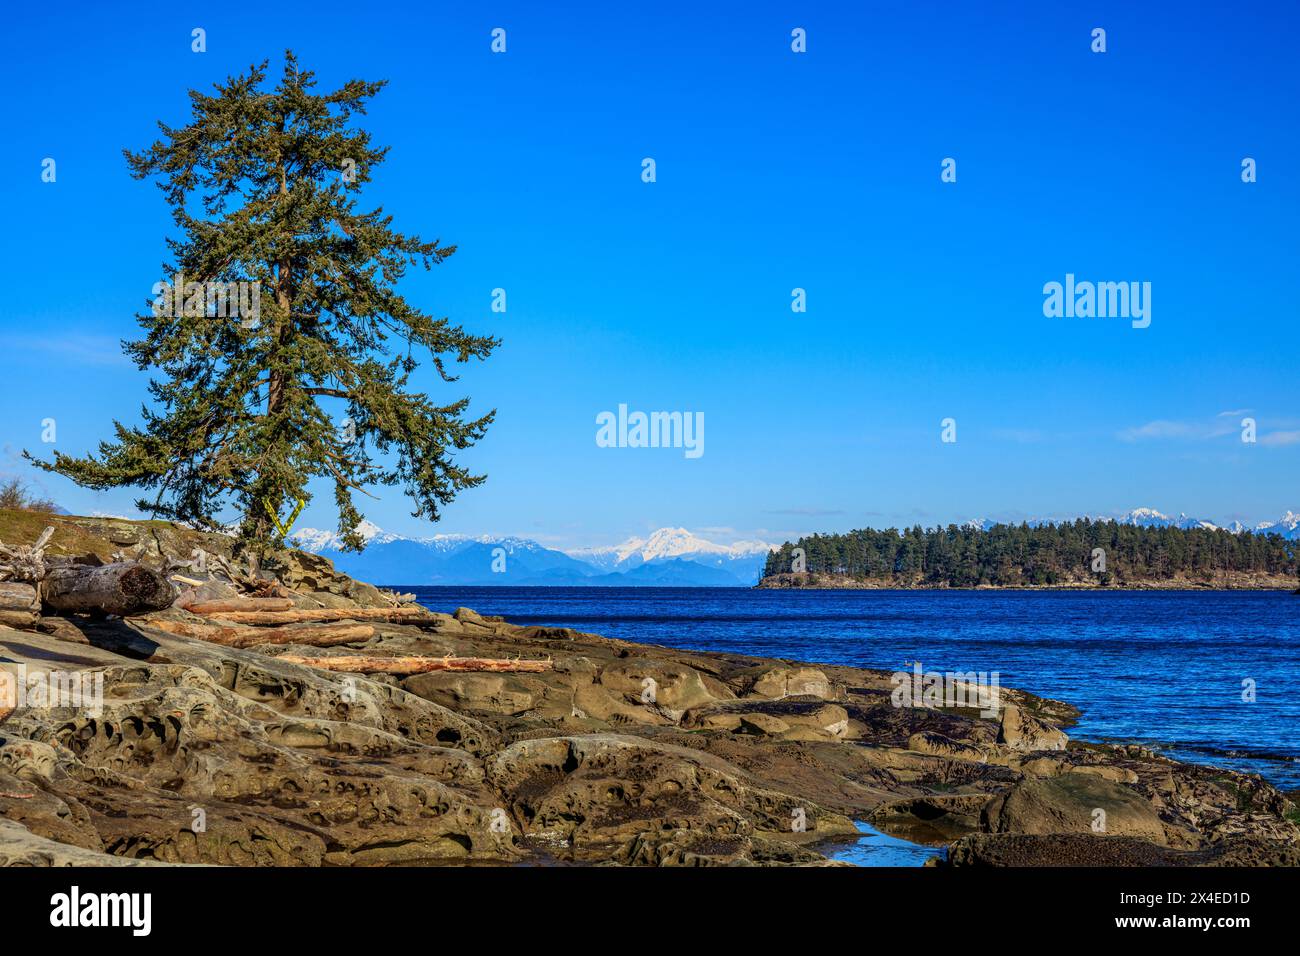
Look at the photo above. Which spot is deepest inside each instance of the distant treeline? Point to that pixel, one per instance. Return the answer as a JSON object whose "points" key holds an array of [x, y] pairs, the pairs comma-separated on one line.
{"points": [[1017, 555]]}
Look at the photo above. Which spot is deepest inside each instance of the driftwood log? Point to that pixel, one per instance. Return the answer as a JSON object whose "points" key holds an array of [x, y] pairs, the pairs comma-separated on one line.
{"points": [[126, 587], [355, 664], [240, 604], [18, 597], [20, 606], [311, 635], [25, 562], [390, 615]]}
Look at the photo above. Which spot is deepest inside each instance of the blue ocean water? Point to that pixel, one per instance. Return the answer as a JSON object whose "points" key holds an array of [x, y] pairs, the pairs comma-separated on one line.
{"points": [[1164, 668], [875, 848]]}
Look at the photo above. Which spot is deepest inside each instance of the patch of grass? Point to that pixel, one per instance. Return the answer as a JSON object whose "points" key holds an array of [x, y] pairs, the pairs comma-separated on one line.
{"points": [[78, 536]]}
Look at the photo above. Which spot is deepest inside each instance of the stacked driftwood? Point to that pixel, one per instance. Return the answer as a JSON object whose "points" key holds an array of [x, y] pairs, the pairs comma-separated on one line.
{"points": [[20, 604], [250, 621], [33, 584], [255, 621]]}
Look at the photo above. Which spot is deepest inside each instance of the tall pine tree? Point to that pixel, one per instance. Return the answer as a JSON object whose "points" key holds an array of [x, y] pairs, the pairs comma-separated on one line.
{"points": [[262, 186]]}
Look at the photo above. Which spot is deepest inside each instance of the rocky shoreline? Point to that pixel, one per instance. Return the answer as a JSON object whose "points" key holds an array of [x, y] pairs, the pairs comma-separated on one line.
{"points": [[616, 753]]}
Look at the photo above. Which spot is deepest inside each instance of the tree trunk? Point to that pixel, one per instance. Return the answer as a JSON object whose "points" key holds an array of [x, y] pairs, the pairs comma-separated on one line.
{"points": [[127, 587], [312, 635], [355, 664], [278, 336]]}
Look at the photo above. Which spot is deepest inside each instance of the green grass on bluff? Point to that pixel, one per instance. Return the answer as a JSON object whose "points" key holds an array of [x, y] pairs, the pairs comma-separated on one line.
{"points": [[80, 536]]}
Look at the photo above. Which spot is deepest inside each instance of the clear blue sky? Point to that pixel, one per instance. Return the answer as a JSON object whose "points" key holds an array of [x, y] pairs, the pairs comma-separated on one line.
{"points": [[775, 171]]}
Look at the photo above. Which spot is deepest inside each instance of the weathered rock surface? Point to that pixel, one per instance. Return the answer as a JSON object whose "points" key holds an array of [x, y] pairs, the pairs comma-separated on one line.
{"points": [[1021, 731], [1018, 849], [620, 753], [1073, 803]]}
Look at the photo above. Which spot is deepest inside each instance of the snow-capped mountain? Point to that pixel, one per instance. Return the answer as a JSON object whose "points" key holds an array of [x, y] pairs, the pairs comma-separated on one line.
{"points": [[1288, 526], [666, 543], [316, 540], [1150, 518], [670, 556], [1138, 517], [742, 559]]}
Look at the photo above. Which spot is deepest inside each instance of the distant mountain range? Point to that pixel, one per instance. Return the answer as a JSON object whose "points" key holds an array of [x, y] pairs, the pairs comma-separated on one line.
{"points": [[671, 557], [1288, 526]]}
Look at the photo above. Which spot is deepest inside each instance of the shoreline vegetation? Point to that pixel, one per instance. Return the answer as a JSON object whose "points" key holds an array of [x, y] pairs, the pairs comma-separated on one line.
{"points": [[834, 582], [309, 719], [1082, 554]]}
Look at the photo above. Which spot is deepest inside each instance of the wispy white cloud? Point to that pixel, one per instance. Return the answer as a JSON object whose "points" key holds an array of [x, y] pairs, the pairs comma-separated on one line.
{"points": [[77, 348], [1223, 424], [1164, 429]]}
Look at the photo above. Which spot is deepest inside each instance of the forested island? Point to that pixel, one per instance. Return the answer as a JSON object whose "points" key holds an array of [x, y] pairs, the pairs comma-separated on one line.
{"points": [[1081, 553]]}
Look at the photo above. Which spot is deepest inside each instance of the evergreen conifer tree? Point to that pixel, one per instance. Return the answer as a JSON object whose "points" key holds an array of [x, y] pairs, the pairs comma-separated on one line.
{"points": [[317, 381]]}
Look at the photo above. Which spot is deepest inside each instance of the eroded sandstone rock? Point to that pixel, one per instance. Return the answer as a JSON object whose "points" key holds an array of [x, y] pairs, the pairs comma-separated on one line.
{"points": [[627, 795], [777, 680], [1073, 803], [491, 693], [1023, 731], [288, 765]]}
